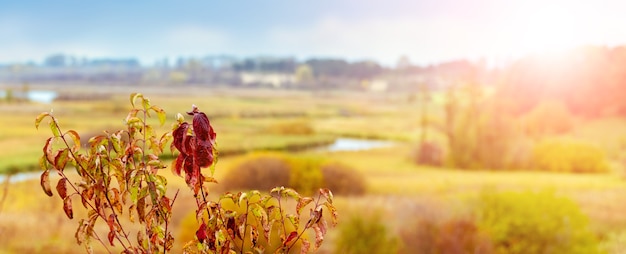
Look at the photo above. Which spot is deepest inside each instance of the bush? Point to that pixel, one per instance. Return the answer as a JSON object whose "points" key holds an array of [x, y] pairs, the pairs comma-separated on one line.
{"points": [[366, 234], [526, 222], [342, 179], [568, 156], [306, 176], [428, 153], [456, 235], [260, 171]]}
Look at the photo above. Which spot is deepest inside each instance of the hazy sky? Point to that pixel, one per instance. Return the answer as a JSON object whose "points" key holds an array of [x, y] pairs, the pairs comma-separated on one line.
{"points": [[425, 31]]}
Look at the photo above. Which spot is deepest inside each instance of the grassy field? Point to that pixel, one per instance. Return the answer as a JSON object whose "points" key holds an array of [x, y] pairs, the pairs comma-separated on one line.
{"points": [[245, 120]]}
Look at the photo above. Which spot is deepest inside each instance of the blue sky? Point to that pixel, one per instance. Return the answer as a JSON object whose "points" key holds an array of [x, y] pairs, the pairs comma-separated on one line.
{"points": [[425, 30]]}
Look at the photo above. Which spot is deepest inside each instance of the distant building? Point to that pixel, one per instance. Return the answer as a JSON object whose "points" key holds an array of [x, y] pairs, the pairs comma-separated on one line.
{"points": [[272, 79]]}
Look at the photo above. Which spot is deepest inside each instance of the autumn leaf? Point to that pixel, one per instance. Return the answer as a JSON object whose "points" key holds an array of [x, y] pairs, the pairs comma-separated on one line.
{"points": [[306, 246], [39, 118], [302, 203], [75, 138], [201, 233], [47, 150], [319, 236], [179, 135], [61, 188], [45, 182], [67, 207], [60, 160], [290, 238]]}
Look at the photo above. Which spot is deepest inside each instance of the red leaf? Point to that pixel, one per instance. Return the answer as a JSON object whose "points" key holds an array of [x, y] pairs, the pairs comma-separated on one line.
{"points": [[45, 182], [202, 127], [111, 237], [141, 209], [47, 150], [290, 238], [67, 207], [178, 164], [62, 188], [201, 233], [179, 135], [111, 222], [86, 195], [203, 154], [165, 203]]}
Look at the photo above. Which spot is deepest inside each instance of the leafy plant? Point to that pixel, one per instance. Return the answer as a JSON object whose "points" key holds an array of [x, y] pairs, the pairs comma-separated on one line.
{"points": [[366, 234], [527, 222], [569, 156], [118, 175]]}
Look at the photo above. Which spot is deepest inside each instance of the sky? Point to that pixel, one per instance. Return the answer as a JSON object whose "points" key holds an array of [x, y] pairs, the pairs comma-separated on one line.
{"points": [[426, 31]]}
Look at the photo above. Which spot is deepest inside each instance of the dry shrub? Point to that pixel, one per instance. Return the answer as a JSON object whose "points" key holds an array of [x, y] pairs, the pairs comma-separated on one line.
{"points": [[305, 174], [343, 180], [455, 236], [260, 171], [428, 153], [569, 156]]}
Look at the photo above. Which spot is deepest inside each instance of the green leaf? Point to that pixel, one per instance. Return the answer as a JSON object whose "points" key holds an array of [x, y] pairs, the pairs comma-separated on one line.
{"points": [[43, 162], [180, 118], [40, 117], [60, 161], [75, 138], [242, 197], [277, 190], [145, 102], [291, 193], [133, 98], [160, 114], [116, 138], [134, 191], [55, 128], [258, 211], [294, 219], [133, 120]]}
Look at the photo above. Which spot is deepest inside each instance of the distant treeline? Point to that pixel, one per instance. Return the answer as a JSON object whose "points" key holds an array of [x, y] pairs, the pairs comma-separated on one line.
{"points": [[590, 80]]}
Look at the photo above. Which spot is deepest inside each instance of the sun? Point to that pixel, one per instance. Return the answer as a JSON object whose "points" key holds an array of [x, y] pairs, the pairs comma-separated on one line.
{"points": [[544, 27]]}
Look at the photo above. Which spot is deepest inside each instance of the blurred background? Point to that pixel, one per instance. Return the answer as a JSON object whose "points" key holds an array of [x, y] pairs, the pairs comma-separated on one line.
{"points": [[447, 126]]}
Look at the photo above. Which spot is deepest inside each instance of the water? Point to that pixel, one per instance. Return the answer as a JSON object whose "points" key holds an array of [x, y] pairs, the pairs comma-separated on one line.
{"points": [[340, 144], [352, 144], [21, 176], [41, 96]]}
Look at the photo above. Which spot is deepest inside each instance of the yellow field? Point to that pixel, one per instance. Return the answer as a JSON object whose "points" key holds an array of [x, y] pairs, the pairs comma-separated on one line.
{"points": [[30, 222]]}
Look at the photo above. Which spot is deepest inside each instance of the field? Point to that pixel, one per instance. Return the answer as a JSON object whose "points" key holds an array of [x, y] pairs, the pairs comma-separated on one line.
{"points": [[249, 120]]}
